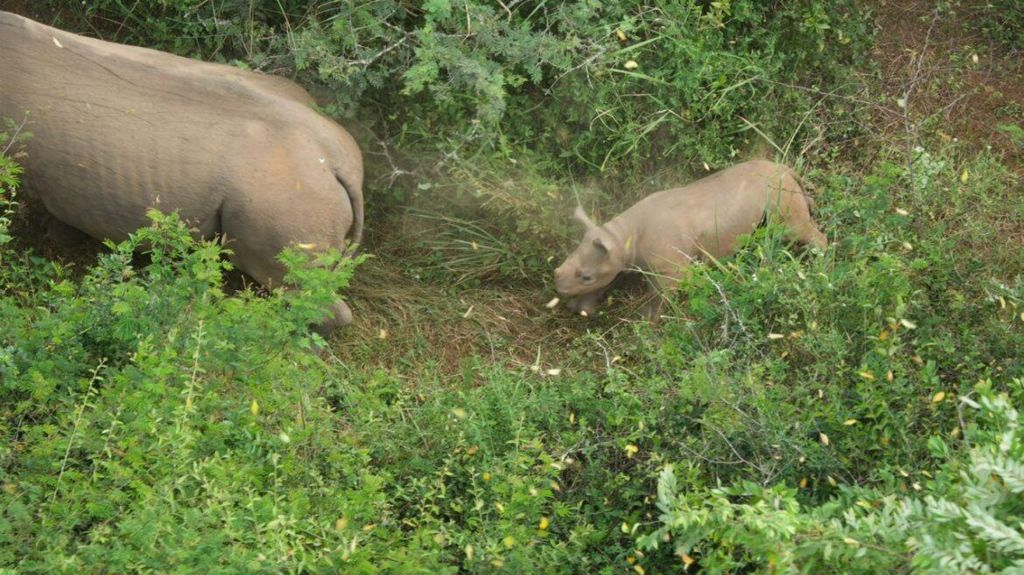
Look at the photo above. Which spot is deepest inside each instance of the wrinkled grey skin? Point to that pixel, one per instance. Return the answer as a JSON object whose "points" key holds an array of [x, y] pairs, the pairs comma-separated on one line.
{"points": [[666, 231], [118, 129]]}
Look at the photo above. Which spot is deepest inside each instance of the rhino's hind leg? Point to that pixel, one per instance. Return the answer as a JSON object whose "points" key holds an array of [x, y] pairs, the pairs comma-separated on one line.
{"points": [[62, 233], [800, 227], [339, 316], [258, 231], [806, 233]]}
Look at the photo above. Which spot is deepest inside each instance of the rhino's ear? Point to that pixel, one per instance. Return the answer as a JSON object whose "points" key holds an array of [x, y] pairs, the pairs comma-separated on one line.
{"points": [[580, 215], [599, 244]]}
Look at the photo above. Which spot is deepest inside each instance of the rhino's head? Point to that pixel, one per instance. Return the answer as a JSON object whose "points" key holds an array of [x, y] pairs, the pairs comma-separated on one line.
{"points": [[593, 264]]}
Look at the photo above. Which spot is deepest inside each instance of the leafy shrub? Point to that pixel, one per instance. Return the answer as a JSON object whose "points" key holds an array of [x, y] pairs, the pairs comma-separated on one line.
{"points": [[10, 172], [1002, 20], [596, 86], [967, 519]]}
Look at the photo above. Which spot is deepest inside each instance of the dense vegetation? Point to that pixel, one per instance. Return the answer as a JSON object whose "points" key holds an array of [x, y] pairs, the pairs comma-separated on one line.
{"points": [[848, 411]]}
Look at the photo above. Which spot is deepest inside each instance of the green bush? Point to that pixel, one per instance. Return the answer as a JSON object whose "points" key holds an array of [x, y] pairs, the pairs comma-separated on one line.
{"points": [[964, 519], [10, 173], [595, 86], [1001, 20], [156, 424]]}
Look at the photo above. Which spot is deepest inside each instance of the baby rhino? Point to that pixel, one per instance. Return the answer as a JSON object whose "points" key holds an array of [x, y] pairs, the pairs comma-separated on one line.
{"points": [[666, 231]]}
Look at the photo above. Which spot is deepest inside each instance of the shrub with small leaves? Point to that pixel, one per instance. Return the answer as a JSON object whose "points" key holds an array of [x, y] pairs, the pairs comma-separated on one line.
{"points": [[967, 519]]}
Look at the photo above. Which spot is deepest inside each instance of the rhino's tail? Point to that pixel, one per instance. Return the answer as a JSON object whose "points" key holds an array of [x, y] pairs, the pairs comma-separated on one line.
{"points": [[355, 199]]}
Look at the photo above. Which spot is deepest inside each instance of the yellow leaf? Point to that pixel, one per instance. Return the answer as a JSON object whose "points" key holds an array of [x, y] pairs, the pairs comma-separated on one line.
{"points": [[486, 476], [631, 450], [965, 176], [472, 449], [850, 541], [460, 413], [938, 397], [544, 523], [823, 437], [687, 560], [638, 569], [775, 336], [499, 563], [621, 35], [631, 560], [254, 407], [866, 374], [509, 541], [469, 552], [341, 523], [908, 324], [850, 422], [803, 483], [631, 65], [831, 481]]}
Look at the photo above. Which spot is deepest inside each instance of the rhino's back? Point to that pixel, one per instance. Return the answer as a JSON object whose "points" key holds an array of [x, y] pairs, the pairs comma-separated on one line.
{"points": [[713, 211], [117, 129]]}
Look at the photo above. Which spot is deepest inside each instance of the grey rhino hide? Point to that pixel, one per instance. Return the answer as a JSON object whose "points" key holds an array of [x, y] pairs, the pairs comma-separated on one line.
{"points": [[118, 129], [666, 231]]}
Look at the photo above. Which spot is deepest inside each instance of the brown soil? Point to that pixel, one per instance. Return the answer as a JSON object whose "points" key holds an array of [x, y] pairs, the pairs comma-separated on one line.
{"points": [[930, 56]]}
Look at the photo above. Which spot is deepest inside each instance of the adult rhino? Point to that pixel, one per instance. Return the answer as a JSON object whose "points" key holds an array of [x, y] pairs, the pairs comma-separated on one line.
{"points": [[118, 129]]}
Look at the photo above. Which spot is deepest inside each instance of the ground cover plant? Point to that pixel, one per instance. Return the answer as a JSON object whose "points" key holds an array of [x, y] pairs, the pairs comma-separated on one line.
{"points": [[853, 410]]}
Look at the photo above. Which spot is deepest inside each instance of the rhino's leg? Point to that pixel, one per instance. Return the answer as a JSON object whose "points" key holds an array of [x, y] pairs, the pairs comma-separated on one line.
{"points": [[800, 227], [340, 315], [62, 233], [587, 303], [259, 229], [662, 284]]}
